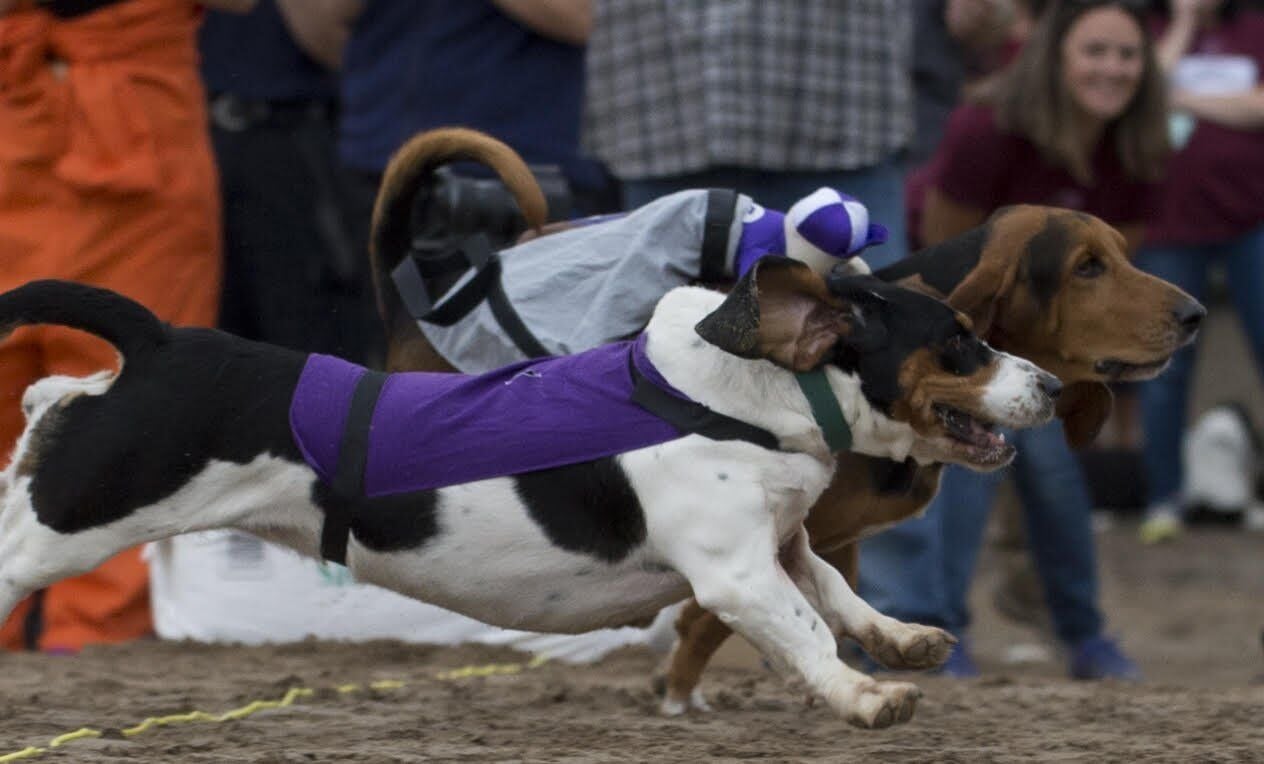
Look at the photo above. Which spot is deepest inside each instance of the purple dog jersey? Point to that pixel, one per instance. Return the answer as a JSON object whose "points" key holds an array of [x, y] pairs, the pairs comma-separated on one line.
{"points": [[430, 430]]}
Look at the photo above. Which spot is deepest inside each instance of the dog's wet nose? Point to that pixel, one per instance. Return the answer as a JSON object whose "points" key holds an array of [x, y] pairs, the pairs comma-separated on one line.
{"points": [[1190, 316], [1050, 385]]}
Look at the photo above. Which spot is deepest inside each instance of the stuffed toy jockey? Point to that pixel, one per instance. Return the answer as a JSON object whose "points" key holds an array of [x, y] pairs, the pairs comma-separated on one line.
{"points": [[599, 281], [819, 229]]}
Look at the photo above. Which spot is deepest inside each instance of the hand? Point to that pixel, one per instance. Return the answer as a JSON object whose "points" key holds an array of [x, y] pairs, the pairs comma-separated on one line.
{"points": [[1191, 9]]}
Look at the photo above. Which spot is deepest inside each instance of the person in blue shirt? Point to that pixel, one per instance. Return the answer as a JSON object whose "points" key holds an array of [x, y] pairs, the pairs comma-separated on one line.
{"points": [[510, 68]]}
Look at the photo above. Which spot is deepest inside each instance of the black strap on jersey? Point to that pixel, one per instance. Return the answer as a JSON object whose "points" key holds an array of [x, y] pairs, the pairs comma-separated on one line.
{"points": [[348, 482], [721, 207], [693, 417], [511, 322], [473, 252]]}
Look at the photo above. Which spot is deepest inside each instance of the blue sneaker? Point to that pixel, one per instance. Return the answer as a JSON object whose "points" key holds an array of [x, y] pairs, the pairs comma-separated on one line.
{"points": [[960, 663], [1100, 658]]}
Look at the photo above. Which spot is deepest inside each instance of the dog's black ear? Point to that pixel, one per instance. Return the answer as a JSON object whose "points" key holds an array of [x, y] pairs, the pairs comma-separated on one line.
{"points": [[864, 292], [780, 310], [1083, 408]]}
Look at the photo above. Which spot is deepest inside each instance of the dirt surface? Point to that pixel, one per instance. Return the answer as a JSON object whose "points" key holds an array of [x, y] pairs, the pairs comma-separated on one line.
{"points": [[1190, 612]]}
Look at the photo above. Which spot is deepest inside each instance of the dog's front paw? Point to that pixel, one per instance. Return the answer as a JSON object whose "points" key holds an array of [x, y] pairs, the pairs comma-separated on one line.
{"points": [[876, 705], [674, 706], [908, 646]]}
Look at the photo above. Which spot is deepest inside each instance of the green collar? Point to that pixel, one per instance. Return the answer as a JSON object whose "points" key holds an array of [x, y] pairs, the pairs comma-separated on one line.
{"points": [[825, 409]]}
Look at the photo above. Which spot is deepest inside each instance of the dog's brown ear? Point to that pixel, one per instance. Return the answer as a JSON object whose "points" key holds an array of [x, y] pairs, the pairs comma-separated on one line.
{"points": [[990, 279], [780, 310], [978, 294], [1083, 408]]}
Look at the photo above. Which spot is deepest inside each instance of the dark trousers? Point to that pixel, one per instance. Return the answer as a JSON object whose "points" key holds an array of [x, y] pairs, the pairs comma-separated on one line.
{"points": [[296, 261]]}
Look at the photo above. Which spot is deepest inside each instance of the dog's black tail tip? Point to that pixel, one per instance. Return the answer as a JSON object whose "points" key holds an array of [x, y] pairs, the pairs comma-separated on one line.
{"points": [[131, 327]]}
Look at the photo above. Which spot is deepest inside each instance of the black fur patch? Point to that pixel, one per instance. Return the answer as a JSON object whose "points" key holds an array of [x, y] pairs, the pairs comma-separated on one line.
{"points": [[385, 523], [1045, 257], [944, 265], [589, 508], [891, 477], [203, 396], [909, 321], [734, 326]]}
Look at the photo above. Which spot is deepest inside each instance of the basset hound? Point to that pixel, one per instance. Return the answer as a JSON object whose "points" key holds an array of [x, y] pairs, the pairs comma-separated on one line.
{"points": [[722, 424]]}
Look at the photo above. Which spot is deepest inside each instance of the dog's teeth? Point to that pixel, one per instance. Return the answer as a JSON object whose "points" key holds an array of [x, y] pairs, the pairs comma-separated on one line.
{"points": [[1001, 435]]}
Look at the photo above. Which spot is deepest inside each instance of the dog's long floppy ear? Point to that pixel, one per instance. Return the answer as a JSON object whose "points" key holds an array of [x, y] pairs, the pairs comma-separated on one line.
{"points": [[780, 310], [995, 269], [1083, 408]]}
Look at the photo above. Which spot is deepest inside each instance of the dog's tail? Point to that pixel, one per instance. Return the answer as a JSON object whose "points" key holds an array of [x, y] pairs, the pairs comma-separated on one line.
{"points": [[406, 174], [124, 323]]}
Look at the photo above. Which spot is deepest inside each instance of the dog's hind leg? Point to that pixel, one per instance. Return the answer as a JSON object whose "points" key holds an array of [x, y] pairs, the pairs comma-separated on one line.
{"points": [[700, 634], [32, 555], [893, 643], [746, 587]]}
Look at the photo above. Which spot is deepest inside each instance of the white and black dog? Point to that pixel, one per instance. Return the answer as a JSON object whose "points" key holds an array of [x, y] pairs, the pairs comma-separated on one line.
{"points": [[198, 430]]}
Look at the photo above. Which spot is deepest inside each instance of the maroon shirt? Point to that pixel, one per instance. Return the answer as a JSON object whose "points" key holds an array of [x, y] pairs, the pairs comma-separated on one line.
{"points": [[979, 165], [1214, 190]]}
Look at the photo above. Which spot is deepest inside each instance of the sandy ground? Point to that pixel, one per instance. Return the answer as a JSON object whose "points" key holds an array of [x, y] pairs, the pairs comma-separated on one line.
{"points": [[1190, 612]]}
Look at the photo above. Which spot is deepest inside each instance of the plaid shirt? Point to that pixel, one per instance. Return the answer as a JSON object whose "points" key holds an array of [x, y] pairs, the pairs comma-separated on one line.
{"points": [[677, 86]]}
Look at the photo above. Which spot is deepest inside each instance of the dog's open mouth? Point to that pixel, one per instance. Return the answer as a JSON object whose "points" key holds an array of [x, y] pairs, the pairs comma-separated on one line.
{"points": [[1119, 371], [978, 438]]}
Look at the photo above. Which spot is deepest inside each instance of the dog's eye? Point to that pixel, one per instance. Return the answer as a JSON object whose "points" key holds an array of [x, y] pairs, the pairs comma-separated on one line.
{"points": [[953, 357], [1090, 267]]}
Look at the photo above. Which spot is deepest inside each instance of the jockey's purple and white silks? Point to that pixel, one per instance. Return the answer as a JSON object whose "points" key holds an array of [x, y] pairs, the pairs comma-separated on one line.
{"points": [[826, 221], [599, 282], [431, 430]]}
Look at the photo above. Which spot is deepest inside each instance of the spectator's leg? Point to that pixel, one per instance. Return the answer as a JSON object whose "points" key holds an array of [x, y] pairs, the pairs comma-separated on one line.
{"points": [[1244, 260], [902, 569], [968, 498], [293, 275], [919, 571], [906, 571], [1058, 513], [1164, 400]]}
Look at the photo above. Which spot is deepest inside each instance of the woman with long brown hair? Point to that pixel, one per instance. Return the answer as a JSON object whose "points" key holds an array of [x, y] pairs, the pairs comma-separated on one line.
{"points": [[1077, 120]]}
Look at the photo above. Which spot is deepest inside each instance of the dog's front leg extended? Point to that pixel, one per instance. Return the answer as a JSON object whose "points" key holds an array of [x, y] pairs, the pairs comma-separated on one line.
{"points": [[893, 643], [750, 591]]}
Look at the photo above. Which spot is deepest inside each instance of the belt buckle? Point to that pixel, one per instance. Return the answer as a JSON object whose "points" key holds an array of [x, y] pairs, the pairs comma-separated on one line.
{"points": [[229, 112]]}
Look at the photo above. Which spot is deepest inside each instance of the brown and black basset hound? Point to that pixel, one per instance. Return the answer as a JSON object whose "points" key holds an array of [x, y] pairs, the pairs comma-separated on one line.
{"points": [[1050, 285]]}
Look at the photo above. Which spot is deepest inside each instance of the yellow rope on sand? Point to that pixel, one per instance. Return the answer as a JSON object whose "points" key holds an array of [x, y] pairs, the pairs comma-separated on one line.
{"points": [[291, 695]]}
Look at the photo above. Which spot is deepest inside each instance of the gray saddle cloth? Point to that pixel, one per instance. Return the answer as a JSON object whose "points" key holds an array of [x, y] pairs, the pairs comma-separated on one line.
{"points": [[588, 286]]}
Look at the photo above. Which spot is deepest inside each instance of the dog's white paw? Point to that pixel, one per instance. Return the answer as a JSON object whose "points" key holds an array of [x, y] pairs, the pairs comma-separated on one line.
{"points": [[672, 706], [876, 705], [907, 646]]}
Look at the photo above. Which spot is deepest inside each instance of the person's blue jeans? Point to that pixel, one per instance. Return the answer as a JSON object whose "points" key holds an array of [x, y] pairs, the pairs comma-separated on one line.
{"points": [[921, 569], [1165, 399], [880, 187]]}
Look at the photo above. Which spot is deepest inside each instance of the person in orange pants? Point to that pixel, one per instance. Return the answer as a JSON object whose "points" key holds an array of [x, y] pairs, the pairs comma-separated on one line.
{"points": [[106, 177]]}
